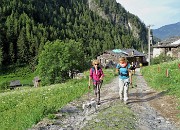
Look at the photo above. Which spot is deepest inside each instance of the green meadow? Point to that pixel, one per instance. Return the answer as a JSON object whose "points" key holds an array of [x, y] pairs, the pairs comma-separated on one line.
{"points": [[21, 108], [165, 76]]}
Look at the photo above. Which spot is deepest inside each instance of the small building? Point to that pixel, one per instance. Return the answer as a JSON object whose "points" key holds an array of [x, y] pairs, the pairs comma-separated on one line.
{"points": [[14, 84], [169, 47], [111, 57]]}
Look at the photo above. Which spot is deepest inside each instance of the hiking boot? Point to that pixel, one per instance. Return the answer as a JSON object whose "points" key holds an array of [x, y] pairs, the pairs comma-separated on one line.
{"points": [[125, 102], [98, 103], [121, 98], [132, 86]]}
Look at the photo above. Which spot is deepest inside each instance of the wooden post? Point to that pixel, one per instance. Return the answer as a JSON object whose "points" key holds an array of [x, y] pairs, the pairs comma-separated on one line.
{"points": [[167, 73]]}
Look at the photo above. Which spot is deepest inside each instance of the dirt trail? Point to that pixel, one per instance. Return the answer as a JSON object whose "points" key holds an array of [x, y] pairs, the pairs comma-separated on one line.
{"points": [[153, 110]]}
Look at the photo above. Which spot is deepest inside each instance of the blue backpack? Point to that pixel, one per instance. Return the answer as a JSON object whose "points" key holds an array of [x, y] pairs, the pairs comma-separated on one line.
{"points": [[126, 69]]}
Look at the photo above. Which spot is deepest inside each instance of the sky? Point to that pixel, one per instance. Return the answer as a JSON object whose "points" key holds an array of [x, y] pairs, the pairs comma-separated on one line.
{"points": [[156, 13]]}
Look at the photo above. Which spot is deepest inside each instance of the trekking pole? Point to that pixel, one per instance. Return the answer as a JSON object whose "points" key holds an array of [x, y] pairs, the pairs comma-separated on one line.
{"points": [[101, 82], [88, 92]]}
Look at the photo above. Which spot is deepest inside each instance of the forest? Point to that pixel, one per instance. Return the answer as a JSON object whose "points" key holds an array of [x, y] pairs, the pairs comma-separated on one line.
{"points": [[26, 26]]}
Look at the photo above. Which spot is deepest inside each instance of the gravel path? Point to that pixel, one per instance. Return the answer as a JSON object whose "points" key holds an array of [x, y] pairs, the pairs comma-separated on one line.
{"points": [[71, 117], [140, 102]]}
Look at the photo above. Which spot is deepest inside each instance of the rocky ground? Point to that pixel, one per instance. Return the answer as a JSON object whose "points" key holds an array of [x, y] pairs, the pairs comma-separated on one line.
{"points": [[146, 109]]}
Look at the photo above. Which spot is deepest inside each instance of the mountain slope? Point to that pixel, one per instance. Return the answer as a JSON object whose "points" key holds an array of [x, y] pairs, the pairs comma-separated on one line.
{"points": [[26, 26], [167, 31]]}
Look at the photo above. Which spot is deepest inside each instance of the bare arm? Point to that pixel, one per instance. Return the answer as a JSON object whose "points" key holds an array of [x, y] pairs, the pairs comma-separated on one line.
{"points": [[102, 75], [90, 79], [117, 71], [130, 76]]}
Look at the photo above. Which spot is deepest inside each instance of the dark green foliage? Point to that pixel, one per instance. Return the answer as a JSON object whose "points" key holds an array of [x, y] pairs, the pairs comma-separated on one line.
{"points": [[26, 26], [4, 85], [1, 55], [59, 60]]}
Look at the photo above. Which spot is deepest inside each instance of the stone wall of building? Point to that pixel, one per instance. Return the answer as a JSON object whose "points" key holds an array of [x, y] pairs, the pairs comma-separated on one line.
{"points": [[176, 52]]}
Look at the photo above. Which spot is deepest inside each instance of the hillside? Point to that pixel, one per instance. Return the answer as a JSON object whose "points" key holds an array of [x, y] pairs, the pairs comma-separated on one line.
{"points": [[26, 26], [167, 31]]}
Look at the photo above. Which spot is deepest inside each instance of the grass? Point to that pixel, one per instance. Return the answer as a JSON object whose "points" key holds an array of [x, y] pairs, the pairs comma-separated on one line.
{"points": [[116, 117], [21, 108], [24, 74], [156, 77]]}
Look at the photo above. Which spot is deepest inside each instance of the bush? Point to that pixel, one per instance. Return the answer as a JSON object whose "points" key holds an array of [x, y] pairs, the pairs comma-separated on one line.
{"points": [[162, 58], [4, 85], [57, 61]]}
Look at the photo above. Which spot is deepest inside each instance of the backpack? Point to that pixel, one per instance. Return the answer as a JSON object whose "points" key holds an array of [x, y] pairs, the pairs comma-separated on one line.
{"points": [[133, 67], [93, 69], [123, 67]]}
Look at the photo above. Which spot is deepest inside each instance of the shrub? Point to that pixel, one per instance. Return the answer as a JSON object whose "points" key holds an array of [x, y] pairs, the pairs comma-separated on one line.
{"points": [[57, 61], [162, 58], [4, 85]]}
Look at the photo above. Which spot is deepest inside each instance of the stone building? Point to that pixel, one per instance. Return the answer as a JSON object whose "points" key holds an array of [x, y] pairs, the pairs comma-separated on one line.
{"points": [[111, 57], [167, 47]]}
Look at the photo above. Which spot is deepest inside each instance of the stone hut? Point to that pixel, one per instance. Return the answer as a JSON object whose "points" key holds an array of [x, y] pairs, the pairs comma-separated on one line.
{"points": [[14, 84], [167, 47], [111, 57]]}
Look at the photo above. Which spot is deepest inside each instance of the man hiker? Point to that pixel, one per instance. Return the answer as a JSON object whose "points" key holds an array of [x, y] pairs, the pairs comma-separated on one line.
{"points": [[133, 68]]}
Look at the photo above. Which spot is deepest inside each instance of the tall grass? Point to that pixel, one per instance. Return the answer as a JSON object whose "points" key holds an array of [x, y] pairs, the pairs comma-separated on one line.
{"points": [[156, 77], [20, 109]]}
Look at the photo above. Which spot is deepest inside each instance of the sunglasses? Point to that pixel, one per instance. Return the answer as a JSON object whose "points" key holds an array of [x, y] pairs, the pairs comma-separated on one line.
{"points": [[96, 64]]}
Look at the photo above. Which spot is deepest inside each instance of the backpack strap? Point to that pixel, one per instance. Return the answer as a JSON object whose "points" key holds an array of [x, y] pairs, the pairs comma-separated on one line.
{"points": [[124, 67], [93, 69]]}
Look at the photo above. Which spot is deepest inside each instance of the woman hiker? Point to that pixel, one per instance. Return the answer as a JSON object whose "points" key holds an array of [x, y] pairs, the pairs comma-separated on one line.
{"points": [[96, 77], [125, 78]]}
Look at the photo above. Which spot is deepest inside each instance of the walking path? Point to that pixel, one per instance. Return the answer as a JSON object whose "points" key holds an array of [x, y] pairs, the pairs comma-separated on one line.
{"points": [[146, 104], [152, 117]]}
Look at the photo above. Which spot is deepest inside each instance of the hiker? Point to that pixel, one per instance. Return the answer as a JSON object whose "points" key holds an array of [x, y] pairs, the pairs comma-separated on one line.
{"points": [[133, 67], [96, 77], [125, 78], [36, 81]]}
